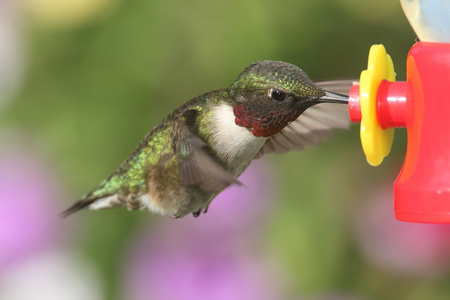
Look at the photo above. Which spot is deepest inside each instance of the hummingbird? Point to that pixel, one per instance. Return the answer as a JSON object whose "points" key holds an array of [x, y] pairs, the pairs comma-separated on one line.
{"points": [[203, 146]]}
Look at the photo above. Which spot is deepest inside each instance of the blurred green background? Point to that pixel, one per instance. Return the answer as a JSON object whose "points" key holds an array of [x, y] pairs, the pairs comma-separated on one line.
{"points": [[97, 79]]}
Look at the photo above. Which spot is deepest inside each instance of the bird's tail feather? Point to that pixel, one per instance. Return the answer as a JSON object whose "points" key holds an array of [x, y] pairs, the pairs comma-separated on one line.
{"points": [[80, 204]]}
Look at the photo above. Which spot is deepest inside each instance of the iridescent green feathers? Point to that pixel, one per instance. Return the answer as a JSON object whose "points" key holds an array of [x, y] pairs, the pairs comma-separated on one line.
{"points": [[277, 74]]}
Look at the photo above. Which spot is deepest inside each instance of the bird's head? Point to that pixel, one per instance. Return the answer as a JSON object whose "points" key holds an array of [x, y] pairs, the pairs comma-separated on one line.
{"points": [[269, 95]]}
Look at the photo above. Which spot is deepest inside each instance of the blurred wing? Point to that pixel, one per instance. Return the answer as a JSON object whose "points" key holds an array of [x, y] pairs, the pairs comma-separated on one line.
{"points": [[309, 129], [197, 167], [337, 86], [316, 123]]}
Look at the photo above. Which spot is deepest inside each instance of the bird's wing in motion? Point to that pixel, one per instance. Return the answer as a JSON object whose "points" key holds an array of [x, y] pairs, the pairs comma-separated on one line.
{"points": [[197, 167], [337, 86], [316, 123]]}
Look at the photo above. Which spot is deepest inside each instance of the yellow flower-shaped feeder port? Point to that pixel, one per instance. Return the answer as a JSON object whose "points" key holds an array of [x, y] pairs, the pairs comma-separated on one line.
{"points": [[376, 141]]}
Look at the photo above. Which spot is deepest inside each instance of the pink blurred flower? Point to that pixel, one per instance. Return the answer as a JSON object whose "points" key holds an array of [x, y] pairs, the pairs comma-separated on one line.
{"points": [[215, 256], [421, 249], [28, 192], [33, 260]]}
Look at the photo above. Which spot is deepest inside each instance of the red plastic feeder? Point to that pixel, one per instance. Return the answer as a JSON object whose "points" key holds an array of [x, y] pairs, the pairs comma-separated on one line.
{"points": [[422, 105]]}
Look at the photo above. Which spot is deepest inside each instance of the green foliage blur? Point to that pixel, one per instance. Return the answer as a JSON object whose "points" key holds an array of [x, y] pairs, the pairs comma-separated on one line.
{"points": [[92, 91]]}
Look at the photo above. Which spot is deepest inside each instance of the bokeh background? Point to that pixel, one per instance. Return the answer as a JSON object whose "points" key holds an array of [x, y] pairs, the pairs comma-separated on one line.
{"points": [[81, 82]]}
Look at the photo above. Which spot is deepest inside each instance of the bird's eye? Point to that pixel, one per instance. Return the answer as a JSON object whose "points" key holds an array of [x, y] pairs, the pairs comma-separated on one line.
{"points": [[277, 95]]}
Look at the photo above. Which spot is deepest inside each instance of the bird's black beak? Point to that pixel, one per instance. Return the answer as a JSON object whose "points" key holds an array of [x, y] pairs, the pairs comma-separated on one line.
{"points": [[330, 97]]}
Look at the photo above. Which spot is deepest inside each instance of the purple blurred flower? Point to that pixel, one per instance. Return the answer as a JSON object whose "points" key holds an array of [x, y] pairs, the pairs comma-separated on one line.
{"points": [[216, 256], [421, 249], [27, 207], [31, 253]]}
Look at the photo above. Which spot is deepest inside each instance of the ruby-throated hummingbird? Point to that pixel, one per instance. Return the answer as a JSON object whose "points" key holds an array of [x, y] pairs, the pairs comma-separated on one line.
{"points": [[205, 144]]}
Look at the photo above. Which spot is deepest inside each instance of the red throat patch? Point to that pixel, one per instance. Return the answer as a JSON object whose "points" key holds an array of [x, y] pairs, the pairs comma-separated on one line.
{"points": [[264, 125]]}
